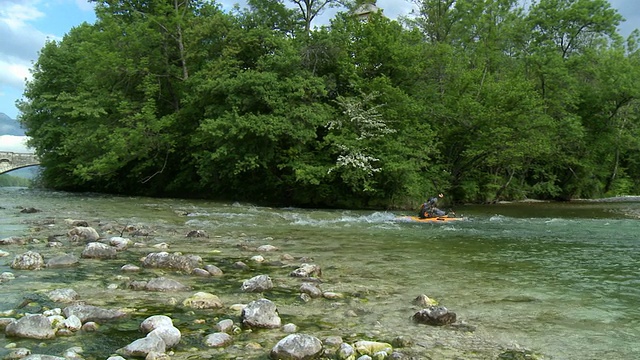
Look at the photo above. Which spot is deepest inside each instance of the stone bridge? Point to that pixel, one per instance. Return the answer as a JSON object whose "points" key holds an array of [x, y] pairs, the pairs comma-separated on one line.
{"points": [[12, 161]]}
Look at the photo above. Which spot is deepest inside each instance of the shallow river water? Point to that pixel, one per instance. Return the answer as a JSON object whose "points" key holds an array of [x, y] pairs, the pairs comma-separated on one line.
{"points": [[562, 280]]}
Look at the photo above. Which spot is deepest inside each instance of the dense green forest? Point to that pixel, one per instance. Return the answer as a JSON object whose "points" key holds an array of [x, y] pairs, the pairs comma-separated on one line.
{"points": [[483, 100]]}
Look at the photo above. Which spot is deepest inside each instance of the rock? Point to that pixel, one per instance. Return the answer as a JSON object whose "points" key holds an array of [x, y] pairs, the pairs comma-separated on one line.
{"points": [[237, 307], [130, 268], [154, 322], [203, 300], [164, 284], [52, 312], [310, 289], [225, 326], [4, 321], [306, 270], [13, 240], [72, 323], [83, 234], [96, 250], [266, 248], [435, 315], [75, 223], [287, 257], [297, 346], [258, 283], [402, 341], [219, 339], [92, 313], [138, 285], [89, 326], [18, 353], [120, 243], [30, 260], [31, 326], [178, 262], [62, 261], [154, 355], [64, 332], [63, 295], [197, 234], [142, 347], [214, 270], [333, 341], [73, 353], [29, 210], [240, 265], [424, 301], [332, 295], [200, 272], [261, 313], [6, 276], [365, 347], [519, 355], [290, 328], [169, 334]]}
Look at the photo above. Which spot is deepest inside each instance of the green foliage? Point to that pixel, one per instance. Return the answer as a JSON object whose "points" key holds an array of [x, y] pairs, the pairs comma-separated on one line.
{"points": [[9, 180], [483, 100]]}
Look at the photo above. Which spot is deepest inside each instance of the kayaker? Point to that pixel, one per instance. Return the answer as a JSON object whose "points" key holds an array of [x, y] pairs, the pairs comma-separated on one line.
{"points": [[429, 209]]}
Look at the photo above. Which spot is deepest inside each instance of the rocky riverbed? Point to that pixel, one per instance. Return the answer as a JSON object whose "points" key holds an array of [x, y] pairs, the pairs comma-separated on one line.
{"points": [[88, 288]]}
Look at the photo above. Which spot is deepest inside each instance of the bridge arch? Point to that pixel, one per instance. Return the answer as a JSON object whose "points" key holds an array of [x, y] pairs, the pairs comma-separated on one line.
{"points": [[11, 161]]}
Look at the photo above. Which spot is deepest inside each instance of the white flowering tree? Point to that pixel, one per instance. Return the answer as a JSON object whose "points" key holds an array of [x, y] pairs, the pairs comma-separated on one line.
{"points": [[355, 132]]}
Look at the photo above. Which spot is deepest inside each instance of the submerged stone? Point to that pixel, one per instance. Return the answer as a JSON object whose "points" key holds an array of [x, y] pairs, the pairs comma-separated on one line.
{"points": [[203, 300], [259, 283], [297, 346], [164, 284], [31, 326], [435, 315], [365, 347], [92, 313], [175, 261], [30, 260], [518, 355], [261, 313]]}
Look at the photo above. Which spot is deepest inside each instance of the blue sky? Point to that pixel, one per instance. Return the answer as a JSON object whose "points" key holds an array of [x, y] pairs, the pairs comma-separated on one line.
{"points": [[25, 25]]}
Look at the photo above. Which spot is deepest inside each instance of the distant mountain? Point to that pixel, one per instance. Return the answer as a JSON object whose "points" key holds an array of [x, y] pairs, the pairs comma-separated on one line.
{"points": [[9, 126]]}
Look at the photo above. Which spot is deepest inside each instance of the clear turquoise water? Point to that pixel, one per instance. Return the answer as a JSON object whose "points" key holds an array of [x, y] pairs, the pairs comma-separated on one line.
{"points": [[561, 279]]}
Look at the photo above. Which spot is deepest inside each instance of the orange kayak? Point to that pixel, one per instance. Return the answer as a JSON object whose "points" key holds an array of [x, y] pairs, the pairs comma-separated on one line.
{"points": [[429, 220]]}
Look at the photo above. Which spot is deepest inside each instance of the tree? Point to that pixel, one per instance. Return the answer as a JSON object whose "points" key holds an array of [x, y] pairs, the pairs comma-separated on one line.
{"points": [[310, 9]]}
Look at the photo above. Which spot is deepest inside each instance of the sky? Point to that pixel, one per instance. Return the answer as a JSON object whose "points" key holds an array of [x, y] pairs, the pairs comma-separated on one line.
{"points": [[25, 26]]}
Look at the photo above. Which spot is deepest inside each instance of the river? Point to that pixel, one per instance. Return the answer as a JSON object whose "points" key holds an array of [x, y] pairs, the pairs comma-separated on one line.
{"points": [[560, 279]]}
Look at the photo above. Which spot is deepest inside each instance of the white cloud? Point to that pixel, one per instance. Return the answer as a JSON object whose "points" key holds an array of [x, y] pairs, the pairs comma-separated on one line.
{"points": [[17, 14], [14, 143], [13, 74], [20, 41]]}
